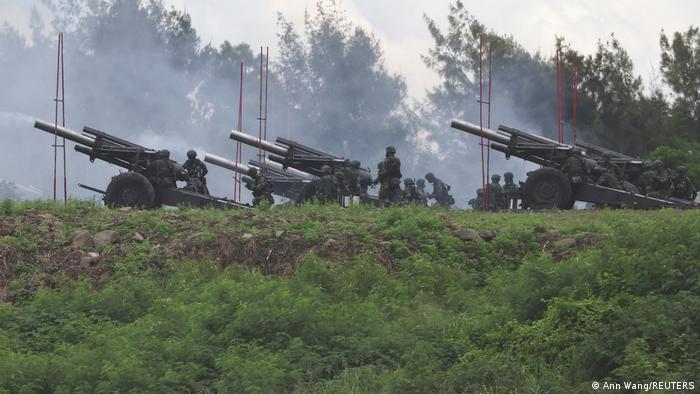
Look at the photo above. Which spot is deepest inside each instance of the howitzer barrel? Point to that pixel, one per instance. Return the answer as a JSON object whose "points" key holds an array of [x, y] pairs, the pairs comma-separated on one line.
{"points": [[225, 163], [279, 167], [262, 144], [476, 130], [64, 132]]}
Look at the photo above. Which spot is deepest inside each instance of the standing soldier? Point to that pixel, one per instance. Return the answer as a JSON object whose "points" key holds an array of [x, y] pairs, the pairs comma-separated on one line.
{"points": [[575, 168], [511, 191], [441, 191], [197, 172], [497, 200], [682, 185], [420, 188], [389, 177], [261, 187], [327, 186]]}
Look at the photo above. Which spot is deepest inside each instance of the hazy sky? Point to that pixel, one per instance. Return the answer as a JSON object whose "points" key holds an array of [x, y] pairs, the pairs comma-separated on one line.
{"points": [[400, 26]]}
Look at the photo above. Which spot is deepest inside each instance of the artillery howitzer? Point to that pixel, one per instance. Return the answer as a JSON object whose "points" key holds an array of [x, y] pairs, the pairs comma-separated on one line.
{"points": [[132, 188], [285, 182], [549, 187], [300, 159]]}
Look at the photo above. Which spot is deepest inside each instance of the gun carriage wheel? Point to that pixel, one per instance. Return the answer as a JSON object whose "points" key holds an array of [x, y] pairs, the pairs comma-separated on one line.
{"points": [[548, 188], [130, 189]]}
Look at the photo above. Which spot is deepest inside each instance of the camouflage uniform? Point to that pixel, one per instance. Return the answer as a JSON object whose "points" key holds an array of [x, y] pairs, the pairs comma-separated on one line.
{"points": [[161, 171], [682, 185], [575, 168], [389, 177], [645, 181], [420, 188], [497, 200], [409, 194], [511, 191], [662, 182], [327, 186], [197, 172], [260, 187], [611, 167], [478, 202], [441, 191]]}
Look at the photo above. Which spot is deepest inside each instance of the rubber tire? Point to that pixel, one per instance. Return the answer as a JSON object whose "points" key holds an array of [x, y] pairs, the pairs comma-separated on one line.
{"points": [[548, 188], [130, 189]]}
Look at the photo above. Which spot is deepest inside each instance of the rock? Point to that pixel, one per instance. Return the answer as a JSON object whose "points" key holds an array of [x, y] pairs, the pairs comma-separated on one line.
{"points": [[564, 243], [539, 229], [330, 243], [124, 209], [489, 235], [552, 234], [467, 234], [279, 234], [137, 237], [82, 240], [6, 230], [106, 237], [247, 236], [90, 258]]}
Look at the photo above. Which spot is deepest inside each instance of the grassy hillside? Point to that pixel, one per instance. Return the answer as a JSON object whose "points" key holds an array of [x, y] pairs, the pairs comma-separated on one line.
{"points": [[320, 299]]}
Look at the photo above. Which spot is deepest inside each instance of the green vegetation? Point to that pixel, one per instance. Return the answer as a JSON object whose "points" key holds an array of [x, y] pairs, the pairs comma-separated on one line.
{"points": [[319, 299]]}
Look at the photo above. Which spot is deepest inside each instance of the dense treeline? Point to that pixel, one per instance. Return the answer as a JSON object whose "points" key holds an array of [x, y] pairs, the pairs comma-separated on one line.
{"points": [[357, 300]]}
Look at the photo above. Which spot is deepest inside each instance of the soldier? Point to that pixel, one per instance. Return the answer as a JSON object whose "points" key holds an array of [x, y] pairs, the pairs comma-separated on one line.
{"points": [[645, 181], [611, 167], [353, 182], [606, 177], [420, 188], [441, 191], [161, 171], [477, 203], [389, 177], [327, 186], [197, 172], [575, 168], [662, 187], [497, 200], [261, 187], [511, 191], [682, 185], [409, 194]]}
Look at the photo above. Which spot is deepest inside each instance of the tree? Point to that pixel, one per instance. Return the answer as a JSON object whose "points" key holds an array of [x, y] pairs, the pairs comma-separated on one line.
{"points": [[680, 68], [338, 93]]}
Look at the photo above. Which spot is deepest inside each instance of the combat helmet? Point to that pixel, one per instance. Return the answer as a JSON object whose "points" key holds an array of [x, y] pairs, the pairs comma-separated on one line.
{"points": [[355, 164], [252, 172], [390, 150], [429, 176], [681, 170], [658, 164], [508, 176], [165, 154], [495, 178], [326, 169], [191, 154], [409, 182]]}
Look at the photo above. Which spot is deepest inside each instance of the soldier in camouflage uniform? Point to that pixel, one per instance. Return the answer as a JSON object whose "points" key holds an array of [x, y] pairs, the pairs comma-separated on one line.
{"points": [[477, 203], [611, 167], [389, 177], [575, 168], [260, 187], [511, 191], [497, 200], [662, 186], [682, 185], [197, 172], [327, 190], [441, 191], [645, 181], [161, 172], [409, 194], [422, 194]]}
